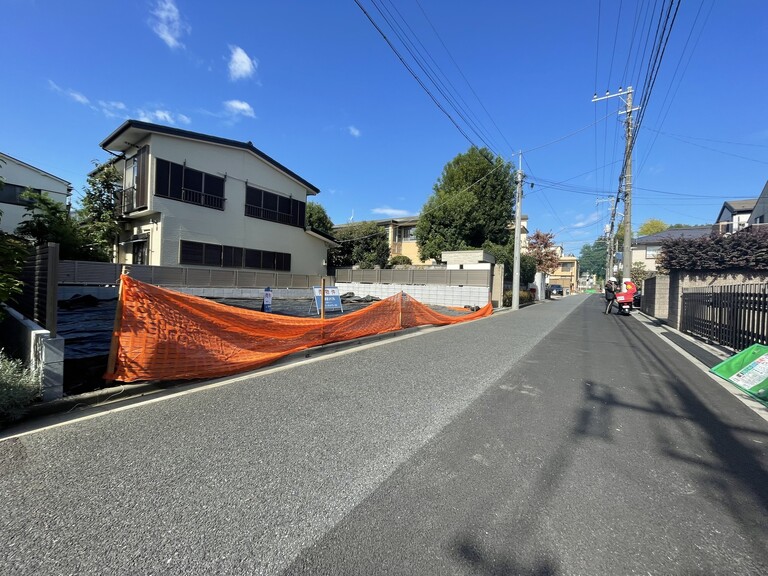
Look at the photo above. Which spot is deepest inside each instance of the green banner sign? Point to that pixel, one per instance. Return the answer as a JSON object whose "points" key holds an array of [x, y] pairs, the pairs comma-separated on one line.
{"points": [[748, 370]]}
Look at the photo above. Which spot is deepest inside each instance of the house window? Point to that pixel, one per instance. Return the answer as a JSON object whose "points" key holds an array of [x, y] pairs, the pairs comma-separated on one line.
{"points": [[652, 251], [406, 234], [274, 207], [11, 194], [186, 184], [134, 194], [216, 255]]}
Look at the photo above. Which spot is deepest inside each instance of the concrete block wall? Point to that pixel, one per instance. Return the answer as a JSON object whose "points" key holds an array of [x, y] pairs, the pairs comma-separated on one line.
{"points": [[34, 346], [437, 295]]}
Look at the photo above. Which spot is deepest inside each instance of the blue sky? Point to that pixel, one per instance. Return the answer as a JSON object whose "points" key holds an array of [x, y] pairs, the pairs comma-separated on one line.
{"points": [[315, 85]]}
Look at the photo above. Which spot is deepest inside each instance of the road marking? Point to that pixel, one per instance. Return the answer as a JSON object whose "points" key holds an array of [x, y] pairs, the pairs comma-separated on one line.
{"points": [[745, 398], [322, 355]]}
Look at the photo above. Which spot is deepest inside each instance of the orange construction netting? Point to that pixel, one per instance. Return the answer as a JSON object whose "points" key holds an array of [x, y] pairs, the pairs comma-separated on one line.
{"points": [[165, 335]]}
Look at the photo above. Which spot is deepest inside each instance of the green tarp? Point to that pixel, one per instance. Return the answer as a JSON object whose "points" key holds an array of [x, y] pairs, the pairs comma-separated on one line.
{"points": [[748, 370]]}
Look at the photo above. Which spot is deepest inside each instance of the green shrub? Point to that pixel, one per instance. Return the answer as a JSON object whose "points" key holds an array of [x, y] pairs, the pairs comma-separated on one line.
{"points": [[18, 388], [399, 260], [525, 298]]}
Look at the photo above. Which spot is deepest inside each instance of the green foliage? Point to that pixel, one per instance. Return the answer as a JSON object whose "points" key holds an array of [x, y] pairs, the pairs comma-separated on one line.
{"points": [[13, 251], [47, 220], [318, 219], [651, 226], [527, 269], [506, 255], [747, 249], [592, 258], [399, 260], [18, 389], [638, 274], [525, 297], [97, 218], [364, 244], [472, 204], [542, 247]]}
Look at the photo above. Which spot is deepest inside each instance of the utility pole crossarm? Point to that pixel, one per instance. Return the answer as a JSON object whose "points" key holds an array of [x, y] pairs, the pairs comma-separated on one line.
{"points": [[625, 179]]}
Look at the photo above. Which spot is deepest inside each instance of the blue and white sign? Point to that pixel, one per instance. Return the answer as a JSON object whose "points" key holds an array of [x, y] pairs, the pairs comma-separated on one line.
{"points": [[331, 296], [267, 304]]}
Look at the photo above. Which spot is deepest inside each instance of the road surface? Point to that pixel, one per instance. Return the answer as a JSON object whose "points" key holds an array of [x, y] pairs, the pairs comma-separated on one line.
{"points": [[553, 440]]}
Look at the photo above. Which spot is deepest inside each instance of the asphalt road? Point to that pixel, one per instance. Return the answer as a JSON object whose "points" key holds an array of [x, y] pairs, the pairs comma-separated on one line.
{"points": [[549, 441]]}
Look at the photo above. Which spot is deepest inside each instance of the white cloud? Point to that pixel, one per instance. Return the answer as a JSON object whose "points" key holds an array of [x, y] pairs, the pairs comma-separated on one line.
{"points": [[183, 119], [353, 131], [240, 64], [156, 116], [78, 97], [390, 212], [586, 221], [239, 108], [168, 24], [113, 109]]}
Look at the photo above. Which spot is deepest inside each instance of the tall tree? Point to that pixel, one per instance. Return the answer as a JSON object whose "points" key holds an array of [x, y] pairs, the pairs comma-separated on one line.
{"points": [[363, 244], [472, 203], [592, 258], [98, 215], [318, 219], [542, 247], [651, 226]]}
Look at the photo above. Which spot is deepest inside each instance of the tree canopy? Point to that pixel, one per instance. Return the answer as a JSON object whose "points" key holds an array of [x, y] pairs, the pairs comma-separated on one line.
{"points": [[651, 226], [318, 219], [472, 203], [363, 244], [592, 258], [97, 217], [541, 246], [47, 220]]}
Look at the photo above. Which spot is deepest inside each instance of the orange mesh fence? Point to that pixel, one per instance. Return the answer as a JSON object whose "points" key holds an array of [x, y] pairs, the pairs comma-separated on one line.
{"points": [[165, 335]]}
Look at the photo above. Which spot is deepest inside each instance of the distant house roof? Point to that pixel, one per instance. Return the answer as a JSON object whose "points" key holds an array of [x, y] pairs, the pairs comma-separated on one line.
{"points": [[323, 236], [35, 169], [732, 207], [131, 131], [688, 233], [405, 221]]}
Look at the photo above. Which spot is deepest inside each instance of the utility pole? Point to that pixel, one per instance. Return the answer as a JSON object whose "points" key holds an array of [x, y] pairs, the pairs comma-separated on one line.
{"points": [[609, 238], [625, 178], [518, 230]]}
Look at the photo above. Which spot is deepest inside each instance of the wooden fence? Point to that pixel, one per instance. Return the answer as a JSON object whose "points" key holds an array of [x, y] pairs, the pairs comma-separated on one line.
{"points": [[38, 299], [734, 316]]}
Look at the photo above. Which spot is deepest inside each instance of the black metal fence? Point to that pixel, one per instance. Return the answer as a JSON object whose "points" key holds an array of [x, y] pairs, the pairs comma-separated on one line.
{"points": [[734, 316]]}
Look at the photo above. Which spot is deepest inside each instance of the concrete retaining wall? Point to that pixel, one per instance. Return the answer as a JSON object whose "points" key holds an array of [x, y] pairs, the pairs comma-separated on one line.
{"points": [[437, 295], [23, 339]]}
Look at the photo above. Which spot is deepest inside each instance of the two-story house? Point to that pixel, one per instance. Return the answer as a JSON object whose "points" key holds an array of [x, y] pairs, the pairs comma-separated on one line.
{"points": [[567, 272], [646, 249], [191, 199], [759, 216], [19, 176], [734, 215]]}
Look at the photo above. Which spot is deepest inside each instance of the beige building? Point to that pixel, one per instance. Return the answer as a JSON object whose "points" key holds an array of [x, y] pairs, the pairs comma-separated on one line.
{"points": [[567, 274], [17, 176], [192, 199]]}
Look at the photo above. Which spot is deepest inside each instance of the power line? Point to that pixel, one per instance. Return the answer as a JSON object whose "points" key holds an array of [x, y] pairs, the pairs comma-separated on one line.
{"points": [[413, 73]]}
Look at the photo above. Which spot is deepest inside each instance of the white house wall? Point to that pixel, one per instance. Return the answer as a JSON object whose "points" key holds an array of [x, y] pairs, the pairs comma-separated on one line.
{"points": [[14, 172], [178, 221]]}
